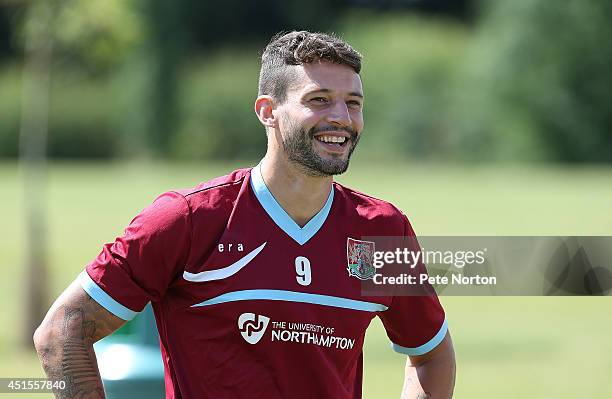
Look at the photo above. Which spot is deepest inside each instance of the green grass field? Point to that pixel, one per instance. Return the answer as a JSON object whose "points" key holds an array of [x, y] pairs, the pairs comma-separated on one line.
{"points": [[507, 347]]}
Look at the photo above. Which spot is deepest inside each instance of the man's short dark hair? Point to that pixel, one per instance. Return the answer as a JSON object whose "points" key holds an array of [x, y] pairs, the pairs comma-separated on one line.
{"points": [[286, 50]]}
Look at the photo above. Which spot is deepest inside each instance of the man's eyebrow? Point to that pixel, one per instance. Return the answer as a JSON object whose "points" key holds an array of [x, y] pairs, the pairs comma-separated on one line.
{"points": [[326, 91]]}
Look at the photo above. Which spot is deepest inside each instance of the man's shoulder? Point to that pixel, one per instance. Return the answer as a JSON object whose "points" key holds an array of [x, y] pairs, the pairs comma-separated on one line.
{"points": [[367, 205], [213, 197], [215, 192]]}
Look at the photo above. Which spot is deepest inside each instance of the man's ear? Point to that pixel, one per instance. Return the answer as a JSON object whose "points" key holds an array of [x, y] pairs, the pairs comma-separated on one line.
{"points": [[264, 107]]}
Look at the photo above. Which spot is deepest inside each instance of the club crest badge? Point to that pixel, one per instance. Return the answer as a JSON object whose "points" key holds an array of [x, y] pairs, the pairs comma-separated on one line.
{"points": [[360, 258]]}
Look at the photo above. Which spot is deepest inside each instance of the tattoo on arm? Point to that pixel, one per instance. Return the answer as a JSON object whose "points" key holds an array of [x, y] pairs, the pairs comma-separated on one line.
{"points": [[78, 360], [76, 324]]}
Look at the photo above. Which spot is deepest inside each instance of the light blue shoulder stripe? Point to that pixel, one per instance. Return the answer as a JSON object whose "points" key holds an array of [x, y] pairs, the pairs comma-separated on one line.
{"points": [[300, 234], [292, 296], [421, 350], [105, 300]]}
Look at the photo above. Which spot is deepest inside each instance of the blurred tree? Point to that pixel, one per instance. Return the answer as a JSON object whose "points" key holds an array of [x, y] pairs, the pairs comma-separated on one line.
{"points": [[539, 83], [217, 121], [460, 9], [147, 83], [164, 45], [38, 36], [5, 32], [527, 91], [95, 35], [407, 81], [91, 39], [214, 24], [118, 65]]}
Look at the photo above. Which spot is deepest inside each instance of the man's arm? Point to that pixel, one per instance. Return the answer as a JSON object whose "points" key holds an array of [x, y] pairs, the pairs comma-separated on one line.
{"points": [[432, 375], [64, 342]]}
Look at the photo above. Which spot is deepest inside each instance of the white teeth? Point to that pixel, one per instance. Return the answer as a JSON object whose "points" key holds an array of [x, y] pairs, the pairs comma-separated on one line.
{"points": [[331, 139]]}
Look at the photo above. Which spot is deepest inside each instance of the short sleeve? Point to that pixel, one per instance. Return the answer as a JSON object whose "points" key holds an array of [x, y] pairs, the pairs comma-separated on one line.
{"points": [[415, 324], [139, 266]]}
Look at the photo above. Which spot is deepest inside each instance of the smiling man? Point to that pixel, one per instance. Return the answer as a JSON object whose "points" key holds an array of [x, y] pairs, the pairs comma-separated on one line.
{"points": [[255, 277]]}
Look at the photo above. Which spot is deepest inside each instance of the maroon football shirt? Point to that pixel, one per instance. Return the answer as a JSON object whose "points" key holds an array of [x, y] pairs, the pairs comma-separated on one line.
{"points": [[250, 305]]}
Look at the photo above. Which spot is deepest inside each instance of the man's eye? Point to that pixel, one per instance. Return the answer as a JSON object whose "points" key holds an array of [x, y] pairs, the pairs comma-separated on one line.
{"points": [[354, 104], [319, 100]]}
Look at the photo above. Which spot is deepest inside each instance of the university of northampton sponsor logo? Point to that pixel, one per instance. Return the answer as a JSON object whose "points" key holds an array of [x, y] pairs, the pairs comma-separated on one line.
{"points": [[360, 258], [252, 327]]}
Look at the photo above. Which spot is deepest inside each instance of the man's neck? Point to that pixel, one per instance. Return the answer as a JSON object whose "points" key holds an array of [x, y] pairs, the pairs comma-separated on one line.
{"points": [[300, 195]]}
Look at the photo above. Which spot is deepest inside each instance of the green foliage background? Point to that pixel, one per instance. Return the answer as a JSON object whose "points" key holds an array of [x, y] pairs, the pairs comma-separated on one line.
{"points": [[524, 81]]}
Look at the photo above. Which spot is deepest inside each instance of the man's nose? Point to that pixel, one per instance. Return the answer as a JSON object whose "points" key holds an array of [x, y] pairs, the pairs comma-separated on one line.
{"points": [[339, 114]]}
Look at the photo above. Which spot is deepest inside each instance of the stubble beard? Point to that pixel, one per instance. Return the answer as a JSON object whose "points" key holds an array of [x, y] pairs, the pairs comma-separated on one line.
{"points": [[298, 146]]}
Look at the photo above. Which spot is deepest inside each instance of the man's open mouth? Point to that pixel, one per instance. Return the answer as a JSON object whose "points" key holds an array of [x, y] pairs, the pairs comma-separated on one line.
{"points": [[338, 141]]}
